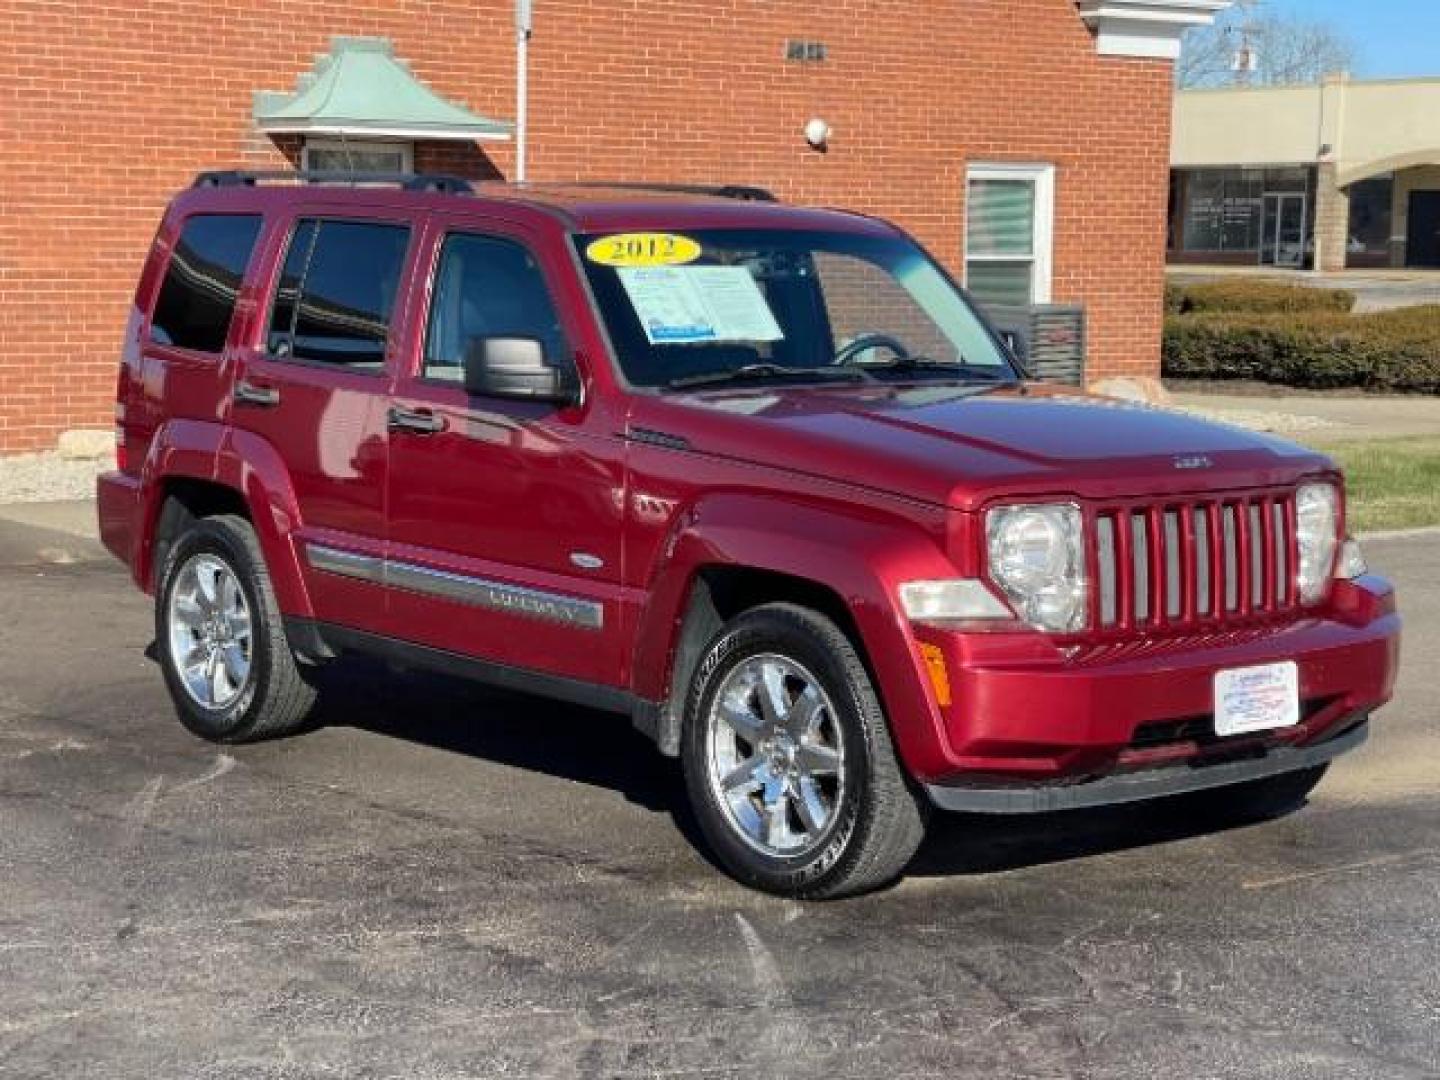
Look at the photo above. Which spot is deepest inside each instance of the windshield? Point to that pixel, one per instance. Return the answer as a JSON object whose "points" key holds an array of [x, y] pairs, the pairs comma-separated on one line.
{"points": [[709, 306]]}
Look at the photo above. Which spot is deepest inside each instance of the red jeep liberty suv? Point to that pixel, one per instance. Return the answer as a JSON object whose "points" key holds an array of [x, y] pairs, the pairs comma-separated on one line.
{"points": [[758, 476]]}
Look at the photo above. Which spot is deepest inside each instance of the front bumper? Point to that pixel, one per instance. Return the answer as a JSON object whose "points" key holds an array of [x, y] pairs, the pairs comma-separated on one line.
{"points": [[1034, 723], [1145, 783]]}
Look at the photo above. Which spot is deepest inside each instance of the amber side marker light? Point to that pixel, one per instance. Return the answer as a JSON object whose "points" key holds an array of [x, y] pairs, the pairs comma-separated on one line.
{"points": [[934, 658]]}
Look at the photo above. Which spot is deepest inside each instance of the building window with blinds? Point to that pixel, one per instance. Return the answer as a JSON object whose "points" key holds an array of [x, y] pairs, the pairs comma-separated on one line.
{"points": [[1009, 234], [349, 155]]}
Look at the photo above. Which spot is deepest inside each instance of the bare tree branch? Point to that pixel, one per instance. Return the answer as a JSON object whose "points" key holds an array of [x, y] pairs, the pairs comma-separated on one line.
{"points": [[1288, 50]]}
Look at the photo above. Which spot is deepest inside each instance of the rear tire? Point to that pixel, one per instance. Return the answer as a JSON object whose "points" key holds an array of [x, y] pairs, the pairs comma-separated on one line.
{"points": [[789, 763], [221, 639]]}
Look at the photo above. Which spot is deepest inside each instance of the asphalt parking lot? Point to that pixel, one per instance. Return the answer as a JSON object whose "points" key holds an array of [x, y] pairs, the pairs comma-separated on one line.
{"points": [[448, 882]]}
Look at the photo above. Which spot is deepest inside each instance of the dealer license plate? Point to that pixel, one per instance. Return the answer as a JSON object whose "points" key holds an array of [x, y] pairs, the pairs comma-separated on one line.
{"points": [[1257, 698]]}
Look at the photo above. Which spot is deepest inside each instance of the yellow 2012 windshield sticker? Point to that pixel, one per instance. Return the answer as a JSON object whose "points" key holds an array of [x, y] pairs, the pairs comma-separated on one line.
{"points": [[643, 249]]}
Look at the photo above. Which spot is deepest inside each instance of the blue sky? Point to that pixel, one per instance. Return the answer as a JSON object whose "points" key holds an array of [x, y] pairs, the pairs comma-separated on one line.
{"points": [[1396, 37]]}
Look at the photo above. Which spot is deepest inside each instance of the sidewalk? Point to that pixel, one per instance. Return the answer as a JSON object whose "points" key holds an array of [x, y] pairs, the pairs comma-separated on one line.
{"points": [[72, 517], [1375, 290], [50, 534], [1319, 418]]}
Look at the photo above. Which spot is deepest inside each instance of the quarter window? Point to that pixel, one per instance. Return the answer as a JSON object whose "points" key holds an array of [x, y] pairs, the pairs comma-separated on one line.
{"points": [[202, 282], [487, 287], [337, 293], [1009, 226]]}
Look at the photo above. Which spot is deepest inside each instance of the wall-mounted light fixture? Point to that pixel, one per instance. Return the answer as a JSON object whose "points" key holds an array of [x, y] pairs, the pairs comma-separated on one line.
{"points": [[817, 134]]}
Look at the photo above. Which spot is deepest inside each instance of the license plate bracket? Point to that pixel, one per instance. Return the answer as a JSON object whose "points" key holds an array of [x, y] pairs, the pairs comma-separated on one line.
{"points": [[1261, 698]]}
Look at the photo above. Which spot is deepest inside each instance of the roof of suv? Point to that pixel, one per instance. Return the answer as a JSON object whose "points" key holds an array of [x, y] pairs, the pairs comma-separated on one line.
{"points": [[584, 207]]}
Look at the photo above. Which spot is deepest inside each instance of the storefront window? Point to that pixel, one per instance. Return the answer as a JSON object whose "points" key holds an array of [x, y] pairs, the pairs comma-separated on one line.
{"points": [[1371, 214], [1223, 210]]}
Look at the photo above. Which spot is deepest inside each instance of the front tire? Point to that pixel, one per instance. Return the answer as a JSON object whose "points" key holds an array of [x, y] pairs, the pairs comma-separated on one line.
{"points": [[222, 645], [789, 763]]}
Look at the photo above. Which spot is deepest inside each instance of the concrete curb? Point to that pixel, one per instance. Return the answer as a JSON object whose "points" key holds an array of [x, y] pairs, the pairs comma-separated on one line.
{"points": [[1402, 534]]}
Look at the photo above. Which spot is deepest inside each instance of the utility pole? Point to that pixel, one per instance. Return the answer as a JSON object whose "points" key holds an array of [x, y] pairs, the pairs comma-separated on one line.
{"points": [[1247, 57], [522, 79]]}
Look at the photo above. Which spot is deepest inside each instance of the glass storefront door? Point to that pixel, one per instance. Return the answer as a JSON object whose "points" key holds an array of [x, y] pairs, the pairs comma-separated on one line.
{"points": [[1284, 232]]}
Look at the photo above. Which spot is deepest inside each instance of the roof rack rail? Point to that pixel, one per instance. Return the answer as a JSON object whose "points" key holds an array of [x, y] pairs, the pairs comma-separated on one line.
{"points": [[743, 192], [445, 185]]}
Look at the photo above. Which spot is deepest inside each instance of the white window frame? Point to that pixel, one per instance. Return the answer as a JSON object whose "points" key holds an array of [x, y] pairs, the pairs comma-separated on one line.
{"points": [[407, 149], [1042, 245]]}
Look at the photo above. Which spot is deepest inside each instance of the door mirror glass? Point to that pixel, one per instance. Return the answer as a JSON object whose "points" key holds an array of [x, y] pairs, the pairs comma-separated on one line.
{"points": [[514, 367]]}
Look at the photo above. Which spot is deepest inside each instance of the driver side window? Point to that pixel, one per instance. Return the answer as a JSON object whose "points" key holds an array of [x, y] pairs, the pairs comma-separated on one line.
{"points": [[862, 298], [486, 286]]}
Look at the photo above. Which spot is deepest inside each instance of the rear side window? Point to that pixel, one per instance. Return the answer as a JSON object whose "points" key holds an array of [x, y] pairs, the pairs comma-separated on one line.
{"points": [[337, 293], [197, 297]]}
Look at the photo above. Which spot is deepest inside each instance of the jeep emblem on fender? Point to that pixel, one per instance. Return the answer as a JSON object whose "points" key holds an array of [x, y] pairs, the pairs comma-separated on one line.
{"points": [[1194, 461]]}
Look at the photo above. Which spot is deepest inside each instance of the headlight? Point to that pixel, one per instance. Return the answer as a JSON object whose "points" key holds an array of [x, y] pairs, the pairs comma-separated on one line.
{"points": [[1037, 557], [1351, 563], [1317, 515]]}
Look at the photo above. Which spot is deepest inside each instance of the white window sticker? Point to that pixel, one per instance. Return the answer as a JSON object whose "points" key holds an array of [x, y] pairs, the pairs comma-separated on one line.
{"points": [[681, 305]]}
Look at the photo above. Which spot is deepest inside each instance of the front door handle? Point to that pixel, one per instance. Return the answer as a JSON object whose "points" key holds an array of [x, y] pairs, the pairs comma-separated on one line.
{"points": [[262, 397], [418, 421]]}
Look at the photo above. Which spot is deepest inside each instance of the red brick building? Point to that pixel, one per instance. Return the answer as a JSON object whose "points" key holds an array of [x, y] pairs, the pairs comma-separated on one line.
{"points": [[1050, 118]]}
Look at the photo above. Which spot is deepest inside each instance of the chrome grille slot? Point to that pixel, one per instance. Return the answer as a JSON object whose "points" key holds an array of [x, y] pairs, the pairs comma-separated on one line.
{"points": [[1231, 559], [1258, 599], [1140, 567], [1105, 569], [1203, 600], [1173, 595], [1282, 554]]}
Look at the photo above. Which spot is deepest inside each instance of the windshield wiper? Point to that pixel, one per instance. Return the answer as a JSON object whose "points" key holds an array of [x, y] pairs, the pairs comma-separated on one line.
{"points": [[983, 372], [749, 372]]}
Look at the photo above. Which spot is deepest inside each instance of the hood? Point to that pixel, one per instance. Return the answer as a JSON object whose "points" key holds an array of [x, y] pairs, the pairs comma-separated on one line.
{"points": [[961, 445]]}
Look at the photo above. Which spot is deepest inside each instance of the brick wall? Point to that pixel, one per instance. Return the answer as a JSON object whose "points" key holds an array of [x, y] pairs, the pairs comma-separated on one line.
{"points": [[108, 106]]}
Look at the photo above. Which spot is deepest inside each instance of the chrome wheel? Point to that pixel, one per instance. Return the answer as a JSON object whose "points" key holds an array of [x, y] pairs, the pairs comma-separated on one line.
{"points": [[775, 755], [210, 634]]}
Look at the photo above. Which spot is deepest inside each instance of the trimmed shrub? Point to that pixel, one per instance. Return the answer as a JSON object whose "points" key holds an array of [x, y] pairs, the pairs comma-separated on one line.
{"points": [[1387, 351], [1254, 296]]}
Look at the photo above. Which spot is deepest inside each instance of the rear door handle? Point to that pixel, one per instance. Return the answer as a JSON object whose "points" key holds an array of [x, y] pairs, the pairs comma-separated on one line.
{"points": [[419, 421], [262, 397]]}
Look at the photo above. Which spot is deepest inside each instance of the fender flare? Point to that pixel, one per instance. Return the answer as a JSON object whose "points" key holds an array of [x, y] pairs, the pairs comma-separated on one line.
{"points": [[862, 560], [247, 465]]}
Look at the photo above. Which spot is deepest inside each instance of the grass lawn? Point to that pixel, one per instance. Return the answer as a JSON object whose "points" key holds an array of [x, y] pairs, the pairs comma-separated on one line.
{"points": [[1392, 483]]}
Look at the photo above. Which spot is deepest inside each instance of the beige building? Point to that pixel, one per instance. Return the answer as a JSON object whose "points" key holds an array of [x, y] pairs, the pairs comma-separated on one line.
{"points": [[1325, 177]]}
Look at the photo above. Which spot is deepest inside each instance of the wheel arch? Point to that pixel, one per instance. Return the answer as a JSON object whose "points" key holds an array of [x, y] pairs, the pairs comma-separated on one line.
{"points": [[198, 469], [718, 593], [182, 500], [738, 552]]}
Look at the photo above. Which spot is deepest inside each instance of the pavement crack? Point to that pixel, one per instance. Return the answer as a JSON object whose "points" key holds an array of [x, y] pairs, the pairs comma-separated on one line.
{"points": [[223, 764], [138, 811], [1345, 868]]}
